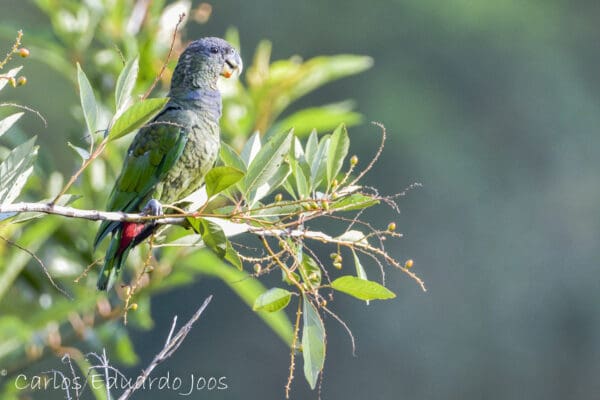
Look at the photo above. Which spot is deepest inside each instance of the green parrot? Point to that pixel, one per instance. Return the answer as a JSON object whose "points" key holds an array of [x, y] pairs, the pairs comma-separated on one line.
{"points": [[169, 157]]}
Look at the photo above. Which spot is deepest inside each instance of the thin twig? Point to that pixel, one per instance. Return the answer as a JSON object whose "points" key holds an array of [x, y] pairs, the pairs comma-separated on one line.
{"points": [[170, 347], [164, 66], [41, 263]]}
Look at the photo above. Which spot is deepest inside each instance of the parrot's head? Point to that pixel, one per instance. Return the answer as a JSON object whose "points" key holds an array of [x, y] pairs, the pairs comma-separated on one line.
{"points": [[203, 61]]}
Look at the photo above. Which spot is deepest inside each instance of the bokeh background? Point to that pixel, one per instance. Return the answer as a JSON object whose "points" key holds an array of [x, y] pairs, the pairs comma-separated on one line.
{"points": [[494, 106]]}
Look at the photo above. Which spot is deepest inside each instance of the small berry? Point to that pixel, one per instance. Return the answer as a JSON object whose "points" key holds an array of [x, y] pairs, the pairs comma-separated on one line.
{"points": [[23, 52], [333, 256], [324, 303], [278, 197], [337, 265], [409, 263], [353, 160], [338, 258], [257, 268], [392, 226], [21, 81], [12, 82], [334, 183], [133, 307]]}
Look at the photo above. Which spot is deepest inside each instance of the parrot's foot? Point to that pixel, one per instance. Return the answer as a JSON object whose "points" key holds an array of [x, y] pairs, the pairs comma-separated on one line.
{"points": [[153, 208]]}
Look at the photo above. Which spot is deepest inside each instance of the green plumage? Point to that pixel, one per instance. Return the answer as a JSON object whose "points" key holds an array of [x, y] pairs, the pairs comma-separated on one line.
{"points": [[169, 158]]}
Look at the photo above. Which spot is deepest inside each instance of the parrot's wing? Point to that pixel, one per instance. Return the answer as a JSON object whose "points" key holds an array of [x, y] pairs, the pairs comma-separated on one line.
{"points": [[151, 155]]}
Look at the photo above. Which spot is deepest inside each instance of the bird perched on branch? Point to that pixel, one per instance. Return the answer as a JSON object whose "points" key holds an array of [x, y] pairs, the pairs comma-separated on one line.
{"points": [[169, 158]]}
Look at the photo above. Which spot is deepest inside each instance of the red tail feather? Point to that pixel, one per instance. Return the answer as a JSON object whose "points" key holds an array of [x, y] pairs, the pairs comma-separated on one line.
{"points": [[130, 231]]}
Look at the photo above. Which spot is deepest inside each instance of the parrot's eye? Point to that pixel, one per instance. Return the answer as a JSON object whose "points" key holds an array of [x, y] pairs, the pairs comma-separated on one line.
{"points": [[214, 50]]}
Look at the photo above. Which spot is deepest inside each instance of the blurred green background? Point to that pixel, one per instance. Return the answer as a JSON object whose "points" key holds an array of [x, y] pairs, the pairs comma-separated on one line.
{"points": [[494, 107]]}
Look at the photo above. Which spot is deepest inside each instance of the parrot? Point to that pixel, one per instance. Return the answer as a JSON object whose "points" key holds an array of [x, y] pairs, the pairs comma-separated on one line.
{"points": [[169, 157]]}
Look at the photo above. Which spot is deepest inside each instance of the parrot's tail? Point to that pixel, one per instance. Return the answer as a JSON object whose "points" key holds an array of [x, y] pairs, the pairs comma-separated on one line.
{"points": [[113, 262], [126, 235]]}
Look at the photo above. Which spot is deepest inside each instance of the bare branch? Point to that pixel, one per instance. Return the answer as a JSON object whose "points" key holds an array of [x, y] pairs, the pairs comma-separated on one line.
{"points": [[170, 347]]}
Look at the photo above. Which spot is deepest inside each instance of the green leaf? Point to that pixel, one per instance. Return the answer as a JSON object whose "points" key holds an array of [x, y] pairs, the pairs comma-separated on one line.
{"points": [[220, 178], [126, 83], [322, 119], [15, 170], [273, 299], [231, 158], [356, 201], [360, 271], [136, 116], [318, 167], [88, 100], [233, 257], [362, 289], [8, 122], [298, 179], [338, 149], [251, 149], [213, 236], [83, 153], [313, 343], [310, 270], [10, 74], [312, 145], [267, 164], [353, 236]]}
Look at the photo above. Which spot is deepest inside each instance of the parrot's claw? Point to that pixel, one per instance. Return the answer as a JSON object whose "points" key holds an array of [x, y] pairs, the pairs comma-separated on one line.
{"points": [[153, 208]]}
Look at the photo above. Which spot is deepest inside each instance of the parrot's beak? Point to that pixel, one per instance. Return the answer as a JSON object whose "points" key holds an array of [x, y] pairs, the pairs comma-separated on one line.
{"points": [[233, 64]]}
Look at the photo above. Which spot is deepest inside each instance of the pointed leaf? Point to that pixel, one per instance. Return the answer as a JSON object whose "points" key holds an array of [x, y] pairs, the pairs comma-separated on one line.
{"points": [[338, 149], [361, 288], [83, 153], [360, 271], [231, 158], [213, 237], [232, 256], [312, 144], [8, 122], [220, 178], [313, 343], [15, 170], [356, 201], [88, 100], [310, 271], [273, 299], [136, 116], [271, 184], [353, 236], [318, 168], [268, 162], [251, 149], [126, 83]]}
